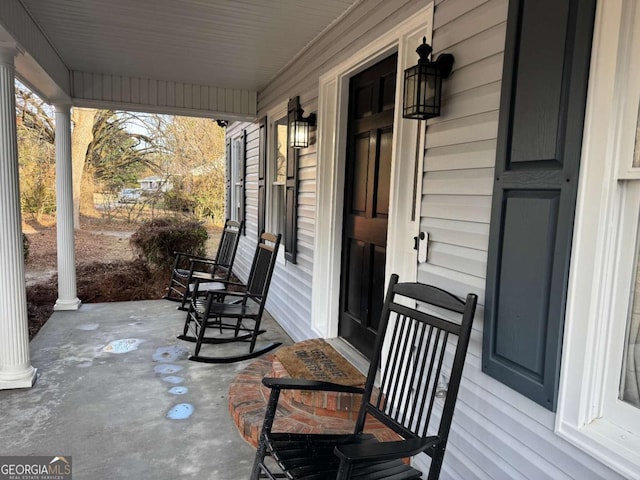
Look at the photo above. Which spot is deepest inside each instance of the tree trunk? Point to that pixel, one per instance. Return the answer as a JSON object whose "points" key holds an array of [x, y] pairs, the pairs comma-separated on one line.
{"points": [[81, 137]]}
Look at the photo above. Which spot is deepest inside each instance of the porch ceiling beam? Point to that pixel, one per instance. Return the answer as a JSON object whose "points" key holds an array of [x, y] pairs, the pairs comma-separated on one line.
{"points": [[38, 63], [162, 96]]}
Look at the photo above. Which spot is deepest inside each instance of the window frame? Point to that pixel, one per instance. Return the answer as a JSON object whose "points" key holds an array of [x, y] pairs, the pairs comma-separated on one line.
{"points": [[274, 115], [236, 190], [590, 414]]}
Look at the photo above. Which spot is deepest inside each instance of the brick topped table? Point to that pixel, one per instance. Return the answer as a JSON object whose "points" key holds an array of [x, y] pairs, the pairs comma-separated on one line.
{"points": [[299, 412]]}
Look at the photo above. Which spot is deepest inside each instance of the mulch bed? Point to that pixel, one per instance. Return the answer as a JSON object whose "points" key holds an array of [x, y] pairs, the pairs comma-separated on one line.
{"points": [[117, 281]]}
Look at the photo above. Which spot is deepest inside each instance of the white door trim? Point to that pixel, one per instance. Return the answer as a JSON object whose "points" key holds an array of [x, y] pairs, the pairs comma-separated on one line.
{"points": [[332, 126]]}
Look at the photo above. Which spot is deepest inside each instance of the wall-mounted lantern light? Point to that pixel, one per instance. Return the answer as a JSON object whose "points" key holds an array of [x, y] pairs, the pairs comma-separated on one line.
{"points": [[423, 84], [299, 129]]}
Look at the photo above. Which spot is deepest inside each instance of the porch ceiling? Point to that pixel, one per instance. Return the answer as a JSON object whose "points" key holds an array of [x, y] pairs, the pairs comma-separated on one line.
{"points": [[238, 44]]}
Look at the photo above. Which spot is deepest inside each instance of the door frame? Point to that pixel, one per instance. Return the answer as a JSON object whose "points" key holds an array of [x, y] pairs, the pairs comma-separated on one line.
{"points": [[403, 222]]}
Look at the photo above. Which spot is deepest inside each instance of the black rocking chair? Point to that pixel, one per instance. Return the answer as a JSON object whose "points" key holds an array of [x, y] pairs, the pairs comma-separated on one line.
{"points": [[233, 316], [412, 388], [189, 268]]}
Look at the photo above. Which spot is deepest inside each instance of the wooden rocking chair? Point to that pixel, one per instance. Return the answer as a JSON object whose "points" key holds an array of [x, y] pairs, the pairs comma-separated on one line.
{"points": [[422, 355], [233, 316], [189, 268]]}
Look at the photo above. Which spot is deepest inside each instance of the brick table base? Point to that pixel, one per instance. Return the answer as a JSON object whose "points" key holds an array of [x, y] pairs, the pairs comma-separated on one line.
{"points": [[298, 412]]}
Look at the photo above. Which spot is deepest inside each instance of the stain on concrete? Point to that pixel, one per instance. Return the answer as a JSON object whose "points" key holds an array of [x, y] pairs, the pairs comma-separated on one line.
{"points": [[124, 345], [173, 379], [181, 411], [88, 326], [178, 390], [170, 353], [167, 368]]}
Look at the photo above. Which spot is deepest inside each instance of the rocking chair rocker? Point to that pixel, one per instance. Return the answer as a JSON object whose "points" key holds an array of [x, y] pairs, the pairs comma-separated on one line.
{"points": [[233, 316], [421, 353]]}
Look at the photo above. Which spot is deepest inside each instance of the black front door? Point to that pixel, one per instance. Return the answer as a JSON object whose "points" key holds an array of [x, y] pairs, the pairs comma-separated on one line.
{"points": [[367, 183]]}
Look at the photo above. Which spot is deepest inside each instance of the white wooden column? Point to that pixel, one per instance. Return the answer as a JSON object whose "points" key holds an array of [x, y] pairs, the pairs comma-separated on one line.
{"points": [[67, 297], [15, 366]]}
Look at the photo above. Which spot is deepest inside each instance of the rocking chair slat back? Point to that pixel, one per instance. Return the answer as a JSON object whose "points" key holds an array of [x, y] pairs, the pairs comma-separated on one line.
{"points": [[423, 361]]}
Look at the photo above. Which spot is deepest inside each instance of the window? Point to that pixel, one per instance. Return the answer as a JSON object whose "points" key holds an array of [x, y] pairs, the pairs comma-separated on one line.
{"points": [[277, 172], [235, 183], [630, 374], [630, 383], [599, 404], [278, 178]]}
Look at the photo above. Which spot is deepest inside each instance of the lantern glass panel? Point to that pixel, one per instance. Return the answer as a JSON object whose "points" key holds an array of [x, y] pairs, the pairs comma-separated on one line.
{"points": [[299, 134]]}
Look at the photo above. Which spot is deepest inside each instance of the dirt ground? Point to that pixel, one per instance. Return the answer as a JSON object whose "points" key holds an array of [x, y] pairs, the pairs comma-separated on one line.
{"points": [[107, 269], [91, 246]]}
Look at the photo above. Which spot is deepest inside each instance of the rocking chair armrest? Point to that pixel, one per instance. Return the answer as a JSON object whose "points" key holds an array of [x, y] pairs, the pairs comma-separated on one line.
{"points": [[239, 295], [227, 283], [381, 451], [202, 261], [302, 384], [189, 255]]}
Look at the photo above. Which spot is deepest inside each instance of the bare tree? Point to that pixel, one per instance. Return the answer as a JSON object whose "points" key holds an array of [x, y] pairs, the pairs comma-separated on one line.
{"points": [[81, 137]]}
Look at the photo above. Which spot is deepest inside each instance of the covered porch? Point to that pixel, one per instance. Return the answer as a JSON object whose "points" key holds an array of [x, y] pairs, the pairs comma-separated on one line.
{"points": [[116, 392]]}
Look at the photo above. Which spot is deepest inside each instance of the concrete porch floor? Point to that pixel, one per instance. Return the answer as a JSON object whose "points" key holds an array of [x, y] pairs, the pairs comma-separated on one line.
{"points": [[109, 411]]}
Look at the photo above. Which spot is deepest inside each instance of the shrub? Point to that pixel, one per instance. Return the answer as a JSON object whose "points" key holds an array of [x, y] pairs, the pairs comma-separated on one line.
{"points": [[156, 240]]}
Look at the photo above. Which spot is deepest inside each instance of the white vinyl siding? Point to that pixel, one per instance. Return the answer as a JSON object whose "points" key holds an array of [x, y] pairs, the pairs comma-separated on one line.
{"points": [[497, 433]]}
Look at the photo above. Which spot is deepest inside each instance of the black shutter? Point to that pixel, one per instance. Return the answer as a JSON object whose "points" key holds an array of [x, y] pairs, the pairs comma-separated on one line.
{"points": [[544, 85], [291, 193], [242, 159], [227, 208], [262, 173]]}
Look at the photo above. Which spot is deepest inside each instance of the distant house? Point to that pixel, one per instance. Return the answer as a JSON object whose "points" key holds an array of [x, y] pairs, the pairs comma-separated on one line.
{"points": [[154, 184]]}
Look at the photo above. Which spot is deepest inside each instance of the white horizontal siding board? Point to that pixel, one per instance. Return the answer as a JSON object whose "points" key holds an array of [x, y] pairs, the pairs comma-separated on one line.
{"points": [[448, 11], [457, 466], [477, 181], [468, 129], [459, 259], [477, 48], [497, 453], [464, 104], [475, 75], [458, 283], [539, 438], [472, 208], [453, 232], [471, 23], [459, 157]]}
